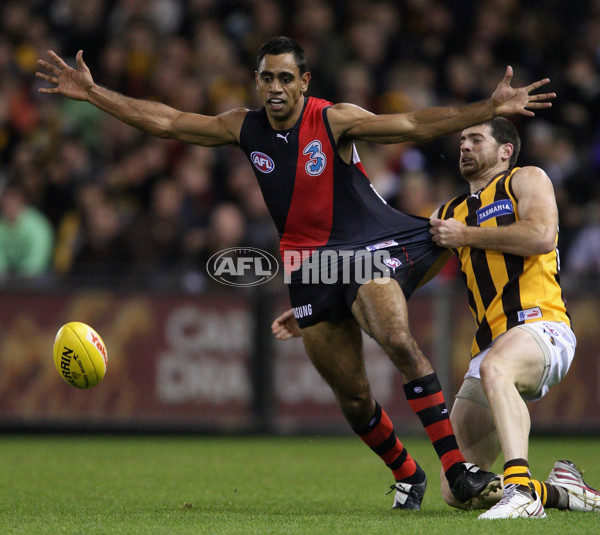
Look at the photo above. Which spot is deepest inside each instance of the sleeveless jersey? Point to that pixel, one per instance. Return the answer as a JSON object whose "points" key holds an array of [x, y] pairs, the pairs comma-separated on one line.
{"points": [[316, 199], [505, 290]]}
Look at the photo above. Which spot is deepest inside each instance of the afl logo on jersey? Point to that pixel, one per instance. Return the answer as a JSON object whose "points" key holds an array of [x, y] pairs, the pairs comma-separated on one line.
{"points": [[317, 160], [262, 162], [392, 263]]}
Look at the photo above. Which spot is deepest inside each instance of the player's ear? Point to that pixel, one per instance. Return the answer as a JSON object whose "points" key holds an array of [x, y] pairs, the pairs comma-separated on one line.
{"points": [[507, 151], [305, 81], [256, 79]]}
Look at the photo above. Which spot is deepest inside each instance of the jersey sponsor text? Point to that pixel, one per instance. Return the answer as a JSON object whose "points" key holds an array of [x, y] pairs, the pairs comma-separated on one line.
{"points": [[494, 210], [303, 311]]}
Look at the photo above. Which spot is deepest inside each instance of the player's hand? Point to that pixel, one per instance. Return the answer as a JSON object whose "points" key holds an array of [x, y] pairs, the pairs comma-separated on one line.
{"points": [[69, 82], [509, 100], [285, 326], [448, 233]]}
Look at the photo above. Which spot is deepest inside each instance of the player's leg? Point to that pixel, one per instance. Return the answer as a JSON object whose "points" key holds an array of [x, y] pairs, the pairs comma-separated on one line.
{"points": [[476, 435], [380, 309], [514, 367], [335, 350], [565, 487]]}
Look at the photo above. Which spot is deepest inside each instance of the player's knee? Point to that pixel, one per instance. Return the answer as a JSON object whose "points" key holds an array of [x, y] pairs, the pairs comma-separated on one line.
{"points": [[492, 373]]}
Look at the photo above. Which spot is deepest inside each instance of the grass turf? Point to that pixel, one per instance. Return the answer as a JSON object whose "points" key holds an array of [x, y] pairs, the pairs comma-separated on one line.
{"points": [[307, 485]]}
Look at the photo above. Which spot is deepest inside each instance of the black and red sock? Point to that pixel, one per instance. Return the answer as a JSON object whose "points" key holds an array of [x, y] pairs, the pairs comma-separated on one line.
{"points": [[380, 436], [426, 398]]}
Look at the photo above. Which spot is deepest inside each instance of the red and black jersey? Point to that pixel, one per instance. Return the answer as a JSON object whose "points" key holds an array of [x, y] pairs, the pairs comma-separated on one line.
{"points": [[316, 199]]}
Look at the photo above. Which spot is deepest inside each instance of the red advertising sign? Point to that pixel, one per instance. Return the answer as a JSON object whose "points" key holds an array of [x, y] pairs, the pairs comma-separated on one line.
{"points": [[172, 360], [185, 362]]}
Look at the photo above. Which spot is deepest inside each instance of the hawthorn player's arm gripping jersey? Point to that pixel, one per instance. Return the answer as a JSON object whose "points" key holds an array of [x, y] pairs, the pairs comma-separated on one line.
{"points": [[505, 290], [316, 199]]}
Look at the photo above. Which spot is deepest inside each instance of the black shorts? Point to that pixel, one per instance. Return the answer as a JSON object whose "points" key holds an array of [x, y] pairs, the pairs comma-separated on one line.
{"points": [[328, 297]]}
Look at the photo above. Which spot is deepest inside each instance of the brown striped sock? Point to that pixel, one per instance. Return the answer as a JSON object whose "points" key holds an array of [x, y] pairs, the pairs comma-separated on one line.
{"points": [[552, 497], [516, 472]]}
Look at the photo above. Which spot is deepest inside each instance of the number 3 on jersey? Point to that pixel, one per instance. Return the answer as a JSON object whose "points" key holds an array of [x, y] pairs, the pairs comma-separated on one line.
{"points": [[317, 160]]}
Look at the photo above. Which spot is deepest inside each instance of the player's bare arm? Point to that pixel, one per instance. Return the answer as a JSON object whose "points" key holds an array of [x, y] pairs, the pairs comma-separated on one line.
{"points": [[533, 234], [152, 117], [351, 121]]}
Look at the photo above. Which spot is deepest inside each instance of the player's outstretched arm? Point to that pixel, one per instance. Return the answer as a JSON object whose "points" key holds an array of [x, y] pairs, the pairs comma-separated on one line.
{"points": [[153, 117], [351, 121]]}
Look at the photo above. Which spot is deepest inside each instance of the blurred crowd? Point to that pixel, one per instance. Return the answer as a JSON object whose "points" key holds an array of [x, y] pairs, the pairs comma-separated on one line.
{"points": [[84, 197]]}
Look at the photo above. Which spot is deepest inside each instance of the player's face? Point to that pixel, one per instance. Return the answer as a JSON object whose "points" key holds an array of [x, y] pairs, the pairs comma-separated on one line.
{"points": [[281, 89], [479, 152]]}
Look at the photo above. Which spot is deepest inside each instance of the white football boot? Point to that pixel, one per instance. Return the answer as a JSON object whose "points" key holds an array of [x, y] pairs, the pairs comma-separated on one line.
{"points": [[516, 503], [582, 497]]}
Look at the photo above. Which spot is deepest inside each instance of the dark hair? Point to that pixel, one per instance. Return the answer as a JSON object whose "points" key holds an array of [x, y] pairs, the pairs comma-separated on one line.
{"points": [[503, 131], [283, 45]]}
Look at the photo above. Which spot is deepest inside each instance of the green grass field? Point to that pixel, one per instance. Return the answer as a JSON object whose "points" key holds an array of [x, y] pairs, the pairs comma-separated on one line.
{"points": [[309, 485]]}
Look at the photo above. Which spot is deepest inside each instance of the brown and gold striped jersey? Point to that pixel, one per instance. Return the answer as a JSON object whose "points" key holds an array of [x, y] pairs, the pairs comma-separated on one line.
{"points": [[505, 290]]}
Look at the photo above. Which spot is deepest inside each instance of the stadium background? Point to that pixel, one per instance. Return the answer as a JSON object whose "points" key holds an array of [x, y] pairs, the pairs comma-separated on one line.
{"points": [[128, 221]]}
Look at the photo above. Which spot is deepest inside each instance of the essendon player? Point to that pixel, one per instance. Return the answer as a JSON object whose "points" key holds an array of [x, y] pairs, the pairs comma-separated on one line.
{"points": [[302, 152]]}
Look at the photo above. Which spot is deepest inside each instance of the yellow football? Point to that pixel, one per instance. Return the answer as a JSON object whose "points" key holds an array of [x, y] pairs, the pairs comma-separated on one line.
{"points": [[80, 355]]}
